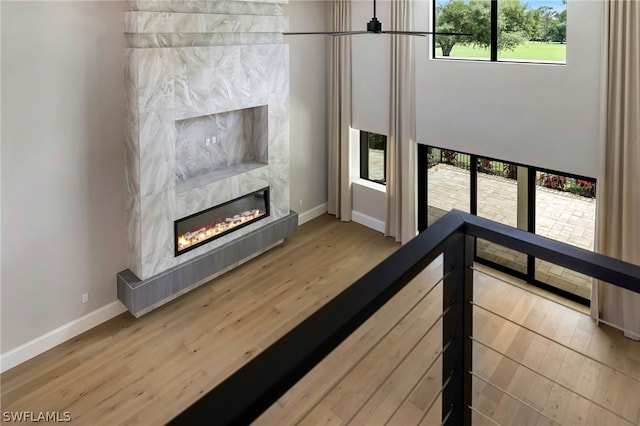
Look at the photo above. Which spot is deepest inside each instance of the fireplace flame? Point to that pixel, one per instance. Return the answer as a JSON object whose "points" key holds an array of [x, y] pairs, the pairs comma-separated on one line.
{"points": [[191, 238]]}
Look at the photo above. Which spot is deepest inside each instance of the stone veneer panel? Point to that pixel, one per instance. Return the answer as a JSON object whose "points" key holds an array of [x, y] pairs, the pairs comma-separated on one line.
{"points": [[165, 85], [168, 22], [241, 138], [236, 7], [207, 39]]}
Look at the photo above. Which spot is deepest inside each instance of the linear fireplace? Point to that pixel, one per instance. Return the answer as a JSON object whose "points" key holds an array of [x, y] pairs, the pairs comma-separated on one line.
{"points": [[205, 226], [207, 111]]}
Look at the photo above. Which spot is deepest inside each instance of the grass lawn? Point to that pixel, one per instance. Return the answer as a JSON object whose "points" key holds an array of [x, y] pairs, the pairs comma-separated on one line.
{"points": [[527, 51]]}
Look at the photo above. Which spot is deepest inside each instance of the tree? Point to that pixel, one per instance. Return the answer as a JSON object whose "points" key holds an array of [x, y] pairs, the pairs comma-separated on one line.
{"points": [[533, 17], [518, 19], [547, 17], [474, 16], [551, 24], [558, 32], [452, 16], [515, 16]]}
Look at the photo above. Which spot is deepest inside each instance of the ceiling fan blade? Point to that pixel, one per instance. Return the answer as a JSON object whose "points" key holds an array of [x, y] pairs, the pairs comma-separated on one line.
{"points": [[331, 33], [308, 33], [345, 33], [412, 33], [425, 33]]}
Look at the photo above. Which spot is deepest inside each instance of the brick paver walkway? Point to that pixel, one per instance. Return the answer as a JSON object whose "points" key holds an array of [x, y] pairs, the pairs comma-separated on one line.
{"points": [[560, 215]]}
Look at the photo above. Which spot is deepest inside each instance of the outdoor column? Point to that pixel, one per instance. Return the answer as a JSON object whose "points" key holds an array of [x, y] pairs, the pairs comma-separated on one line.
{"points": [[523, 198]]}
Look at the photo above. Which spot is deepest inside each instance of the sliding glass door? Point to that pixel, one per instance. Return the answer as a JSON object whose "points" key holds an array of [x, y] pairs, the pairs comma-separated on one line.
{"points": [[565, 211], [497, 200], [449, 174], [553, 204]]}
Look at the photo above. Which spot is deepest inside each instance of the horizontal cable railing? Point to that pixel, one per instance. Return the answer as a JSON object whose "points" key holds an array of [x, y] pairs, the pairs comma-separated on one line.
{"points": [[555, 382], [510, 395], [551, 340], [247, 393], [377, 342], [589, 400]]}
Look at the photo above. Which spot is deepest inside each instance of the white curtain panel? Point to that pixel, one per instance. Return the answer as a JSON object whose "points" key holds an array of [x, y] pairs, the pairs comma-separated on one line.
{"points": [[339, 173], [618, 223], [401, 145]]}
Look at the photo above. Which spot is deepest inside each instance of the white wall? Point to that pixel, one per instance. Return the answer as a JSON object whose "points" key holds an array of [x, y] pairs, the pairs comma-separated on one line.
{"points": [[63, 192], [308, 105], [535, 114], [541, 115], [63, 217], [370, 107], [371, 69], [369, 204]]}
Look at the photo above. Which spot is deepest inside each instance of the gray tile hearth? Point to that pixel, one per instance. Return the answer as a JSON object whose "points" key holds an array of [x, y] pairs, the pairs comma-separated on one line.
{"points": [[141, 296]]}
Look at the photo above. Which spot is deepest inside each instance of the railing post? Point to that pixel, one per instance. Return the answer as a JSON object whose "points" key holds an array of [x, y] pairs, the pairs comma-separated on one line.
{"points": [[457, 326]]}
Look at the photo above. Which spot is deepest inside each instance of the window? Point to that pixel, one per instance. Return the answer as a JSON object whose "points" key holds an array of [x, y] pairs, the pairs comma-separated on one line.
{"points": [[503, 30], [449, 190], [373, 157], [565, 210], [556, 205]]}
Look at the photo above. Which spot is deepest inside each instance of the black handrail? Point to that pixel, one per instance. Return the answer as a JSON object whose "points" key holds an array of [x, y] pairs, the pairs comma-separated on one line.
{"points": [[614, 271], [244, 395]]}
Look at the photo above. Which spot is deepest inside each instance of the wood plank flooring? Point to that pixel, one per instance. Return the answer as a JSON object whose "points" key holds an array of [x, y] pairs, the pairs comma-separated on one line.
{"points": [[145, 371], [375, 375], [536, 362]]}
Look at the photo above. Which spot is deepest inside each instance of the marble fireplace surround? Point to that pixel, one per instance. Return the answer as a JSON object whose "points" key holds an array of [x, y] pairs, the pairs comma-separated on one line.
{"points": [[207, 122], [214, 147]]}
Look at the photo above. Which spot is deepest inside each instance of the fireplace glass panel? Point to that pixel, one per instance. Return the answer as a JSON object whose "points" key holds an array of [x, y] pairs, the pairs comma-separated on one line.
{"points": [[203, 227]]}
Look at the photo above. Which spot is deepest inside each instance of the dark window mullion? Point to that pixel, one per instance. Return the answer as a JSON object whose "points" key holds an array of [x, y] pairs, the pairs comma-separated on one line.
{"points": [[473, 185], [384, 150], [494, 30], [433, 28], [473, 199], [366, 141], [531, 219], [423, 173], [364, 155]]}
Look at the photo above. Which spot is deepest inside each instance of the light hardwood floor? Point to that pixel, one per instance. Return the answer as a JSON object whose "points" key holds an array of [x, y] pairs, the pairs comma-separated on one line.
{"points": [[547, 364], [552, 365], [144, 371]]}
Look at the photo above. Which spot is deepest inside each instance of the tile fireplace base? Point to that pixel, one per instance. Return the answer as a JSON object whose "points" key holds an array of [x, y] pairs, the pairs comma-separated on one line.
{"points": [[142, 296]]}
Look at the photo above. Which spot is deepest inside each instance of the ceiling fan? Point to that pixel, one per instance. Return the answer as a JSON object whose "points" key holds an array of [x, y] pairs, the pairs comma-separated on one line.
{"points": [[375, 26]]}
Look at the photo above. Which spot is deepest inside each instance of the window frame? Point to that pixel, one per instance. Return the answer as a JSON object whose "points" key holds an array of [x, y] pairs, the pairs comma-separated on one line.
{"points": [[364, 157], [423, 207], [493, 49]]}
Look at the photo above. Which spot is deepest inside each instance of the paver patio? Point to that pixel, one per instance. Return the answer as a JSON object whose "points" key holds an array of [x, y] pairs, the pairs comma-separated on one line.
{"points": [[560, 215]]}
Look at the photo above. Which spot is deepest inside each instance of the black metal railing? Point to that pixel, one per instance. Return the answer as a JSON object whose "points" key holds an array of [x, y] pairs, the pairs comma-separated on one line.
{"points": [[243, 396]]}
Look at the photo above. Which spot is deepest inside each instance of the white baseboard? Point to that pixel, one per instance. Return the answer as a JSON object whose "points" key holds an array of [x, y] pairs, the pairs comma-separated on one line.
{"points": [[67, 331], [368, 221], [60, 335], [312, 213]]}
